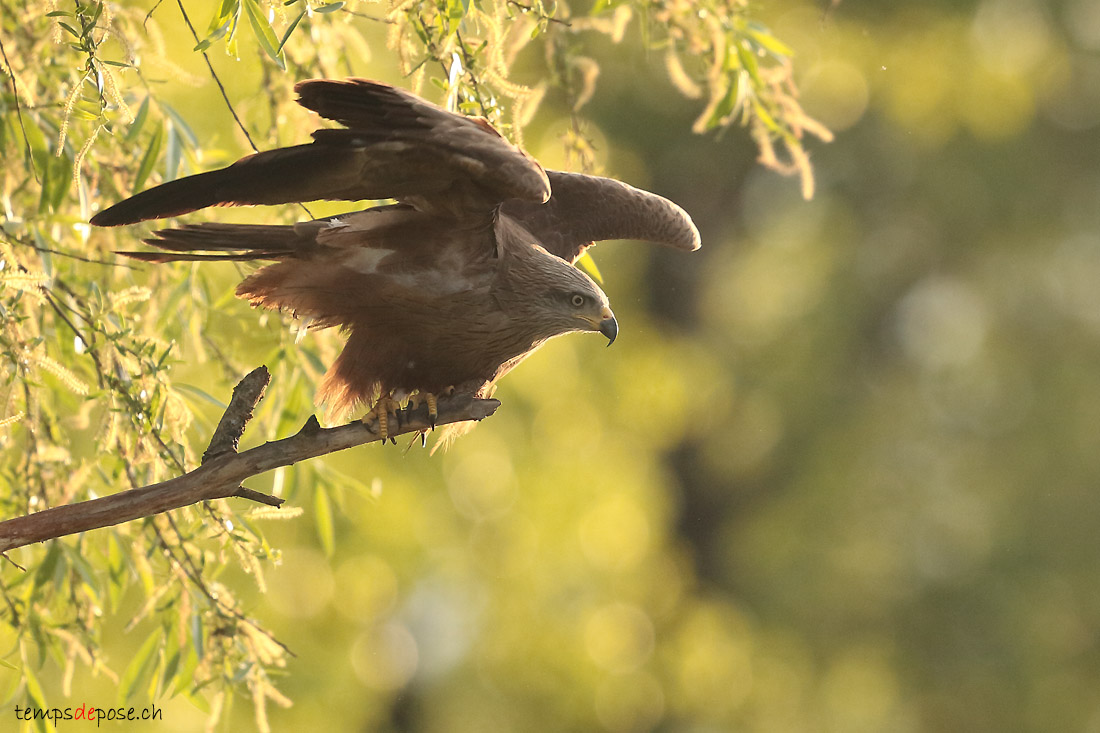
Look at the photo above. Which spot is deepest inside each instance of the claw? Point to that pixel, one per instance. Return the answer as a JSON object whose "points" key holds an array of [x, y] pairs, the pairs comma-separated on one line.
{"points": [[383, 408], [430, 400], [433, 410]]}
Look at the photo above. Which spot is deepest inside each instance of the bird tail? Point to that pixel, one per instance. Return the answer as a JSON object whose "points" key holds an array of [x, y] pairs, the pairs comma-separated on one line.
{"points": [[239, 242]]}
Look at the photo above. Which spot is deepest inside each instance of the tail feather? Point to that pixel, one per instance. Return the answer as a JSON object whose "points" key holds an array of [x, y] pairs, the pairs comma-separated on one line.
{"points": [[162, 257], [234, 242]]}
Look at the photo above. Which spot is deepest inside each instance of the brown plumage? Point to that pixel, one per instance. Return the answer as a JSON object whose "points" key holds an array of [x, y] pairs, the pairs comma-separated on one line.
{"points": [[453, 285]]}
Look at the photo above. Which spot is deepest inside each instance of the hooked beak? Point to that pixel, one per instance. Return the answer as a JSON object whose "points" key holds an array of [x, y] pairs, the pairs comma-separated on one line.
{"points": [[608, 325]]}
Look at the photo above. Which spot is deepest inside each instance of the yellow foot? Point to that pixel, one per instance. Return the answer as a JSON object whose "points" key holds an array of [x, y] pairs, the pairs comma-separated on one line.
{"points": [[430, 400], [383, 408]]}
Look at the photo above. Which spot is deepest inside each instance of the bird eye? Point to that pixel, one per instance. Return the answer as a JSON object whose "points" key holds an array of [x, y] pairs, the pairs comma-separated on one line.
{"points": [[577, 300]]}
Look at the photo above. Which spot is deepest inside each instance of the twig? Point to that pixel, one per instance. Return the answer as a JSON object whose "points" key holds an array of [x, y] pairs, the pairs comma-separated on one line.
{"points": [[221, 475], [246, 395], [368, 16], [19, 110], [225, 94], [542, 13], [61, 253], [214, 76]]}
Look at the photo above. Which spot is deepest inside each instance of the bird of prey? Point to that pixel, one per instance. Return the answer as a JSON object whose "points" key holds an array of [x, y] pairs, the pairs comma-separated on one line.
{"points": [[447, 289]]}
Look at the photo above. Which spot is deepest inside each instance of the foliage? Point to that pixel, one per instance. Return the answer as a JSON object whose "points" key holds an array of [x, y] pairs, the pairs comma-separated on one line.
{"points": [[112, 374]]}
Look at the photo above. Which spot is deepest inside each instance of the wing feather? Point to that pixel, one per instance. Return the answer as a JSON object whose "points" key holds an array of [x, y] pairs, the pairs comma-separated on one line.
{"points": [[585, 209], [397, 146]]}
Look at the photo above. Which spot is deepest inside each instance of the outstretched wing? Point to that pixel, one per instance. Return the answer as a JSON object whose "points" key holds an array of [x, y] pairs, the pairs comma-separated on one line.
{"points": [[397, 146], [584, 209], [436, 160]]}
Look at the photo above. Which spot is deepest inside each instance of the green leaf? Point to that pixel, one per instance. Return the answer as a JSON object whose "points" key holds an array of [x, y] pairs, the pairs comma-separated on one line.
{"points": [[231, 41], [116, 571], [76, 559], [34, 691], [51, 566], [96, 12], [196, 634], [140, 667], [185, 675], [728, 104], [181, 126], [199, 393], [84, 114], [172, 656], [263, 32], [748, 61], [290, 29], [764, 116], [314, 360], [164, 357], [322, 509], [219, 23], [328, 8], [172, 153], [139, 121], [60, 181], [761, 35], [47, 185], [149, 159]]}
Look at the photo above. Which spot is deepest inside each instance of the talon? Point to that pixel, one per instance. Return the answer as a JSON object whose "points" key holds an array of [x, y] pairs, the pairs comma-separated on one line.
{"points": [[383, 408], [430, 400], [424, 439], [433, 409]]}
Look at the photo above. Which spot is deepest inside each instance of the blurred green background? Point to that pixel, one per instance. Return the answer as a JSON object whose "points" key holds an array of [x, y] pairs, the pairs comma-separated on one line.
{"points": [[838, 473]]}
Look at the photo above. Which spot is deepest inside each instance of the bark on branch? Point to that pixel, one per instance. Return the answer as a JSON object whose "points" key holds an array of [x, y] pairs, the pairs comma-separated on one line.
{"points": [[223, 468]]}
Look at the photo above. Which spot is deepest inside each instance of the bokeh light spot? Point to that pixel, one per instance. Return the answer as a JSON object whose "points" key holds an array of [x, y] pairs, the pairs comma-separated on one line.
{"points": [[619, 637], [302, 584], [482, 484], [941, 323], [368, 588], [385, 658], [615, 533], [1010, 35], [630, 702], [837, 93], [860, 692], [713, 661]]}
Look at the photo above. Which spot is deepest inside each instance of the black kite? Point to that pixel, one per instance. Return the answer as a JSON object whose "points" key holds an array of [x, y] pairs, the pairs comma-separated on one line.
{"points": [[451, 287]]}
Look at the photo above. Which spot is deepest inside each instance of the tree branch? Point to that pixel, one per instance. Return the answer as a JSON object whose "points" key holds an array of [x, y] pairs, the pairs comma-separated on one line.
{"points": [[223, 469], [246, 395]]}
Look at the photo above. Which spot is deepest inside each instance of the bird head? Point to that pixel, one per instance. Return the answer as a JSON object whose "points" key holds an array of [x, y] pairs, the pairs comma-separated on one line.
{"points": [[563, 299]]}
